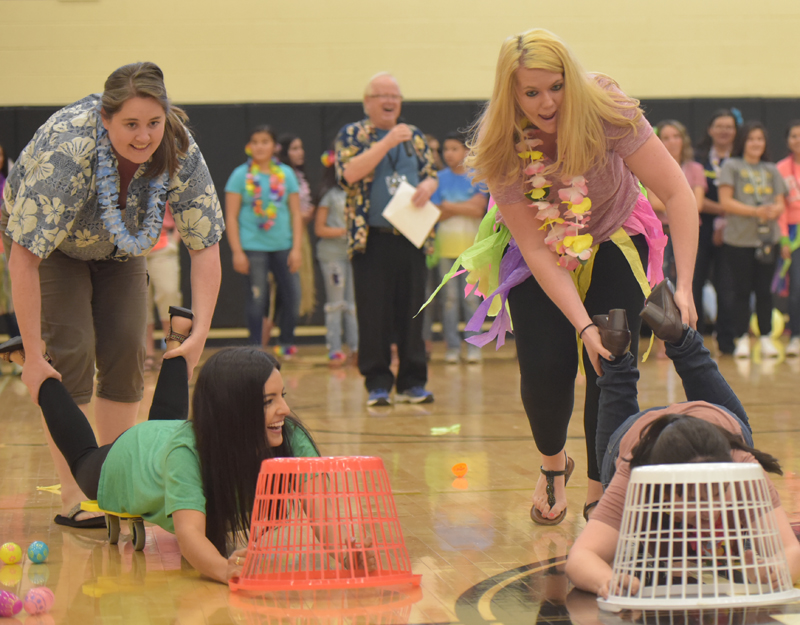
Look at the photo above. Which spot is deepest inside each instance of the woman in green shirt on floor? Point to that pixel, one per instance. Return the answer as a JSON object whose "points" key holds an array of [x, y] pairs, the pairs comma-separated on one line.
{"points": [[197, 478]]}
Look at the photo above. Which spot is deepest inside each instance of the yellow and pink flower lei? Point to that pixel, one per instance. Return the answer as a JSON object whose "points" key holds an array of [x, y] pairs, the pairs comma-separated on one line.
{"points": [[277, 188], [564, 230]]}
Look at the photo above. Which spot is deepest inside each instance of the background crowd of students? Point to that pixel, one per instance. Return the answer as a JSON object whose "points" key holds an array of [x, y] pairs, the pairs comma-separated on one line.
{"points": [[748, 205], [749, 209]]}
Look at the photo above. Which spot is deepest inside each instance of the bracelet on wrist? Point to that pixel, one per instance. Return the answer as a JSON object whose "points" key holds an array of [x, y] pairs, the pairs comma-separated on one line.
{"points": [[580, 334]]}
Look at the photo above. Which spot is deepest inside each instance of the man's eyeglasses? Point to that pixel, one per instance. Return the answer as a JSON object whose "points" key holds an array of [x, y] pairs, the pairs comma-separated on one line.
{"points": [[387, 96]]}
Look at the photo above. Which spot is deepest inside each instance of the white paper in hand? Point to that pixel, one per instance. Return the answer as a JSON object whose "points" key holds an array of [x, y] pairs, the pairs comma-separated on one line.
{"points": [[414, 223]]}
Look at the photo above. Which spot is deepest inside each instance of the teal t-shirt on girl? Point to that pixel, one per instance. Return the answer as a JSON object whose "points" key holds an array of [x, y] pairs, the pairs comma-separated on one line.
{"points": [[251, 235]]}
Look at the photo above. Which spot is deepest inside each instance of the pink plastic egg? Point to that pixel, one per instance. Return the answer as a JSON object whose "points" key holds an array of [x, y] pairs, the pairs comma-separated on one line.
{"points": [[9, 604], [39, 600]]}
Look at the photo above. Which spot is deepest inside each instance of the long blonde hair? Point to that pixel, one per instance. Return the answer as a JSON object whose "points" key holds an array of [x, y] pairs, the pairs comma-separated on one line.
{"points": [[586, 105], [146, 80]]}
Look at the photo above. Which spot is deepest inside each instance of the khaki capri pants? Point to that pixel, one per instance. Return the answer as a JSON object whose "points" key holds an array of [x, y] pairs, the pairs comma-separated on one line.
{"points": [[95, 310]]}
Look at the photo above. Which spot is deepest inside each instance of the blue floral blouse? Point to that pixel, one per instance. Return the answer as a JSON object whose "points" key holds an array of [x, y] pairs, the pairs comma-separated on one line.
{"points": [[51, 200]]}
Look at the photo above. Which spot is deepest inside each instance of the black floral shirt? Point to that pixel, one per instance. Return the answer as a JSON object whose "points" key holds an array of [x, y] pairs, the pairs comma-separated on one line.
{"points": [[352, 140]]}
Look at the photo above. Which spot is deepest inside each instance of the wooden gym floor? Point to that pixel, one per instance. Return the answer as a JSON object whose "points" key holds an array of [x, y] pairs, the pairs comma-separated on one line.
{"points": [[481, 558]]}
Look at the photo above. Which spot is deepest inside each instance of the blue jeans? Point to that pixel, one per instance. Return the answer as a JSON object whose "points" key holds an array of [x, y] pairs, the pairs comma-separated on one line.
{"points": [[619, 407], [340, 301], [455, 303], [261, 263]]}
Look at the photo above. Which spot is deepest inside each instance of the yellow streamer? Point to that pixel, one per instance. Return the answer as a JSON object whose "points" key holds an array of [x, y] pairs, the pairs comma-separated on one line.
{"points": [[582, 277]]}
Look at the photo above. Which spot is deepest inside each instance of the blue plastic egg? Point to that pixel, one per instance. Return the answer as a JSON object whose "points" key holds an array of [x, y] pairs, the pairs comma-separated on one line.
{"points": [[38, 552]]}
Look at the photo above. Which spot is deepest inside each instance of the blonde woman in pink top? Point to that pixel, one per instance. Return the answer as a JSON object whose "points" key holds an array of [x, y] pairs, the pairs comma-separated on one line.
{"points": [[553, 144], [789, 168]]}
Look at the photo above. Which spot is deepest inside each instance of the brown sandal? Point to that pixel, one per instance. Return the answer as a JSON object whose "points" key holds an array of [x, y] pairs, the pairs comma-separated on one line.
{"points": [[13, 351], [536, 516], [177, 311]]}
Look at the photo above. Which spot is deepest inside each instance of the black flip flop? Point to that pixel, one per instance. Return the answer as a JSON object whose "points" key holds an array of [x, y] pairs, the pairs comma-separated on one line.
{"points": [[97, 522]]}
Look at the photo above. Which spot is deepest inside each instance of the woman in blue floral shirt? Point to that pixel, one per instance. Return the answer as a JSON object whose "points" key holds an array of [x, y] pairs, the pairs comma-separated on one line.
{"points": [[82, 207]]}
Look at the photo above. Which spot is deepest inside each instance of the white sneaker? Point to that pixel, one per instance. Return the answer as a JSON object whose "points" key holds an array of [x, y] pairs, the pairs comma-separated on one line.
{"points": [[452, 356], [793, 348], [768, 349], [473, 354], [742, 347]]}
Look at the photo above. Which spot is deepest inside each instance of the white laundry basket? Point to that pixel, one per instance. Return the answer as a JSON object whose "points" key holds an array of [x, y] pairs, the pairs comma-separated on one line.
{"points": [[679, 566]]}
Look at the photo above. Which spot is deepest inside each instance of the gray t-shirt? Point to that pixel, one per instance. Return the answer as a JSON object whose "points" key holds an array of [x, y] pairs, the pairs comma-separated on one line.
{"points": [[329, 249], [754, 185]]}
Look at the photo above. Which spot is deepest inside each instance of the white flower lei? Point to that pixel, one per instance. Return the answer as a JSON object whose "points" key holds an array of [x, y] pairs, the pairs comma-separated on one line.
{"points": [[107, 185]]}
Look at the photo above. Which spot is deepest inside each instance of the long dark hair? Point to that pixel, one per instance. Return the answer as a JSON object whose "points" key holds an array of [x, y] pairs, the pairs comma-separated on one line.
{"points": [[228, 421], [743, 132], [146, 80], [704, 145], [680, 439], [328, 179], [791, 126], [327, 182], [285, 141]]}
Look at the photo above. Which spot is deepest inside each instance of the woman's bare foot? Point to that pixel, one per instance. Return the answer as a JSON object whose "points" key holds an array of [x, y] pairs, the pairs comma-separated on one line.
{"points": [[72, 496], [559, 462]]}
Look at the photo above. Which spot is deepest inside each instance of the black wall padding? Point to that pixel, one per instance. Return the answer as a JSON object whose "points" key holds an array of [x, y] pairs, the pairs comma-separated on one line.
{"points": [[222, 130]]}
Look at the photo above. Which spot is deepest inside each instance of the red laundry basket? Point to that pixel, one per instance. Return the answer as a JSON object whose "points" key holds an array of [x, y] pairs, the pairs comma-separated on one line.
{"points": [[317, 521]]}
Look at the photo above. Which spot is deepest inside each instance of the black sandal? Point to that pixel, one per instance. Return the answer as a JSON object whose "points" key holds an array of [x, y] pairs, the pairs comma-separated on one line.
{"points": [[588, 507], [536, 516], [178, 311]]}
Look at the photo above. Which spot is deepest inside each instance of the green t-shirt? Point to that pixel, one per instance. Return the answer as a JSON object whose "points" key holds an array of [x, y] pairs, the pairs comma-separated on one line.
{"points": [[153, 470]]}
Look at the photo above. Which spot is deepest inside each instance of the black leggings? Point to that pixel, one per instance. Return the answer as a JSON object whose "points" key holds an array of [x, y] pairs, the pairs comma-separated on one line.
{"points": [[74, 437], [747, 275], [548, 354]]}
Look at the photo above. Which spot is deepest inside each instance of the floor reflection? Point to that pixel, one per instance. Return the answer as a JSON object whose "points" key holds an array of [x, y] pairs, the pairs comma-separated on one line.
{"points": [[541, 593], [390, 606], [481, 559]]}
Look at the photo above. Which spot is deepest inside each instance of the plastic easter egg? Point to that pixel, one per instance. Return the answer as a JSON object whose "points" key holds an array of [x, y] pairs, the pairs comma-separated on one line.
{"points": [[38, 552], [460, 469], [39, 600], [10, 553], [9, 604], [38, 574], [10, 575]]}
